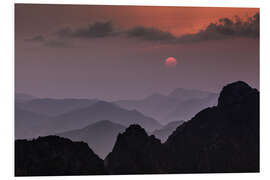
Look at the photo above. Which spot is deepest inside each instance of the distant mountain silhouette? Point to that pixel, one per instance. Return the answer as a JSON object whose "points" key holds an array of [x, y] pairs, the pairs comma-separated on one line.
{"points": [[53, 107], [188, 94], [100, 136], [54, 156], [166, 130], [179, 104], [29, 124], [22, 97], [224, 138], [102, 110], [137, 153], [188, 108]]}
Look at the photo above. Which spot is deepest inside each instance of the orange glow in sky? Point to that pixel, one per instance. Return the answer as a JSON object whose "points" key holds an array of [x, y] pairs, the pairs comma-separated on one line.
{"points": [[177, 20]]}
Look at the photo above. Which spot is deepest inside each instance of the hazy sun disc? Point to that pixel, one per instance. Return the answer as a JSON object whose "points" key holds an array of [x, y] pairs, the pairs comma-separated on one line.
{"points": [[171, 62]]}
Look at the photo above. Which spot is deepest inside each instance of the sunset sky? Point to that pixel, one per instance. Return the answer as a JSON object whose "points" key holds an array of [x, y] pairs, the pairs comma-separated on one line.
{"points": [[118, 52]]}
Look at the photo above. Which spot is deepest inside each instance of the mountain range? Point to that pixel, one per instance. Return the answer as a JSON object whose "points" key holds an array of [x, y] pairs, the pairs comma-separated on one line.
{"points": [[100, 136], [178, 105], [219, 139], [102, 110], [44, 116], [31, 124], [22, 97], [53, 107], [164, 132]]}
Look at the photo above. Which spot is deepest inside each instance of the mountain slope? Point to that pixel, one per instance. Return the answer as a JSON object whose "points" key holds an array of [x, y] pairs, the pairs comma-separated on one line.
{"points": [[180, 104], [29, 124], [100, 136], [224, 138], [221, 139], [188, 108], [102, 111], [187, 94], [166, 130], [137, 153], [22, 97], [52, 155], [53, 107]]}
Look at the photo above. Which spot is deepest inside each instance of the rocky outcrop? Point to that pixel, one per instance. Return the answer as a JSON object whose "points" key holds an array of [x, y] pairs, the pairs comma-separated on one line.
{"points": [[52, 156], [137, 153], [224, 138], [220, 139]]}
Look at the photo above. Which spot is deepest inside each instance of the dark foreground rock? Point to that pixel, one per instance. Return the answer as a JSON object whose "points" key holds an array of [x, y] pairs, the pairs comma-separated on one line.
{"points": [[137, 153], [224, 138], [53, 156], [220, 139]]}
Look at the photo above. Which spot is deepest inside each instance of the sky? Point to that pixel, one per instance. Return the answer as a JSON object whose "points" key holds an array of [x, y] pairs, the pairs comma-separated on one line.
{"points": [[119, 52]]}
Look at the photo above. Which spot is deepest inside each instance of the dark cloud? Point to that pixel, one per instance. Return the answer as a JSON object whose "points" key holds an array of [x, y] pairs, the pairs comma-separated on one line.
{"points": [[226, 28], [106, 29], [95, 30], [36, 38], [151, 34], [57, 44]]}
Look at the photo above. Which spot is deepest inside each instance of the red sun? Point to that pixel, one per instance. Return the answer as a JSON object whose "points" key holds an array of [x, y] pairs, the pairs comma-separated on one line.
{"points": [[171, 62]]}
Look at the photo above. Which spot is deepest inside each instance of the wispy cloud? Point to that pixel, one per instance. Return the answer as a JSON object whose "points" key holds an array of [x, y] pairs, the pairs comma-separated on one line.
{"points": [[36, 38], [95, 30], [57, 44]]}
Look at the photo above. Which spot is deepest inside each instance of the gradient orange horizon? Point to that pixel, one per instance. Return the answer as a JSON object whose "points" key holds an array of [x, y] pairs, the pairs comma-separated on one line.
{"points": [[177, 20], [183, 20]]}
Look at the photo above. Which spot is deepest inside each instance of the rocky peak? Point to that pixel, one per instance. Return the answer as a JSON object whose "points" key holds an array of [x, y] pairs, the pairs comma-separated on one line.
{"points": [[135, 130], [234, 93], [137, 153], [134, 137]]}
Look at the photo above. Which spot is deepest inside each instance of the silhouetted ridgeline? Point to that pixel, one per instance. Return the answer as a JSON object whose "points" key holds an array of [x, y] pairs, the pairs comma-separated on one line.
{"points": [[100, 136], [52, 155], [179, 104], [166, 130], [224, 138], [137, 153]]}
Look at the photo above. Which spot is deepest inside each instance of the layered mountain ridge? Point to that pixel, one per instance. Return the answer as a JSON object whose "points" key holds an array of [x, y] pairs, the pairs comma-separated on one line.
{"points": [[224, 138], [100, 136], [78, 118], [219, 139], [179, 104]]}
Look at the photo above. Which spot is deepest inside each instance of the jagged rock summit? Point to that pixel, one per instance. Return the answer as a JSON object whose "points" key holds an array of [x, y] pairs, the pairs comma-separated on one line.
{"points": [[137, 153], [219, 139], [223, 138]]}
